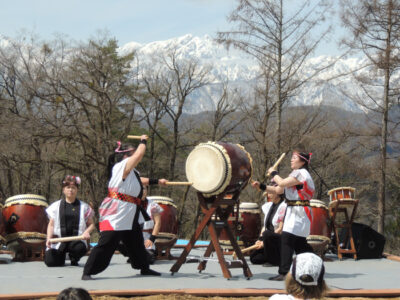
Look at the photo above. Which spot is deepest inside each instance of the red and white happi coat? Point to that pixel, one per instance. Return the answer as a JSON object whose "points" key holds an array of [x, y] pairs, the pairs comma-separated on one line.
{"points": [[116, 214], [298, 218]]}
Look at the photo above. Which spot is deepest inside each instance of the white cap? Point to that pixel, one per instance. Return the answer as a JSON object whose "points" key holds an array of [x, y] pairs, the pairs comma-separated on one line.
{"points": [[307, 269]]}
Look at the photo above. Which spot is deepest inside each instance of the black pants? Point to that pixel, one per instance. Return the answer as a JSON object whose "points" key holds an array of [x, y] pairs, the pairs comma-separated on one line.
{"points": [[56, 257], [291, 243], [101, 254], [271, 252]]}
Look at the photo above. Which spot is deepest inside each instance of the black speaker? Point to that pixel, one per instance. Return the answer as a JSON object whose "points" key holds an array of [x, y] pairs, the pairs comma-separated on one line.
{"points": [[368, 242]]}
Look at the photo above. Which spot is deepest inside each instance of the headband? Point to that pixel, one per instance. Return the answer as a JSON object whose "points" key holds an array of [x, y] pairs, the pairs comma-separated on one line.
{"points": [[302, 155], [122, 151]]}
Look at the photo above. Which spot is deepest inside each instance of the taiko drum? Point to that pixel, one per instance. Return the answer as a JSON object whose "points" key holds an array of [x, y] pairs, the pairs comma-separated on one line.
{"points": [[320, 218], [25, 218], [169, 215], [342, 193], [218, 167]]}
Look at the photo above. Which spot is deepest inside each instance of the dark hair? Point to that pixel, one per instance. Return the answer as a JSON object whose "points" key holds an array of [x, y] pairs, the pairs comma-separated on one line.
{"points": [[116, 157], [74, 294], [304, 157], [70, 179]]}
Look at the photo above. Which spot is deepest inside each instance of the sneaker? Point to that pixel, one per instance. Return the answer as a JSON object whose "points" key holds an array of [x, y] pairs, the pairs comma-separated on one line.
{"points": [[149, 272], [278, 277], [87, 277]]}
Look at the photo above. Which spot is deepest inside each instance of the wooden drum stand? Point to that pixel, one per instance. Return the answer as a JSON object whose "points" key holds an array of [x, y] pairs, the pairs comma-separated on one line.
{"points": [[222, 205]]}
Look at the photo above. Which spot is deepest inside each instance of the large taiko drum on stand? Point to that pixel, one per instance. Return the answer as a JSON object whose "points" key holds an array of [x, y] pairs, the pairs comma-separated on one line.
{"points": [[218, 167], [169, 215], [25, 219], [251, 215]]}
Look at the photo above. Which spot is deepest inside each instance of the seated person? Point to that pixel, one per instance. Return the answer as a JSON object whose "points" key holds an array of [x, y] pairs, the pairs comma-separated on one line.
{"points": [[305, 279], [269, 243], [68, 217]]}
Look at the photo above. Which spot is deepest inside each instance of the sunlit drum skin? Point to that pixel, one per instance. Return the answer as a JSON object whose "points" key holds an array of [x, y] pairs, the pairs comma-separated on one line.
{"points": [[217, 167]]}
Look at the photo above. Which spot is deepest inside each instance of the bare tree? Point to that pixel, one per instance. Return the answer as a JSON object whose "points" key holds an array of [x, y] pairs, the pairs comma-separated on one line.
{"points": [[375, 32], [279, 37]]}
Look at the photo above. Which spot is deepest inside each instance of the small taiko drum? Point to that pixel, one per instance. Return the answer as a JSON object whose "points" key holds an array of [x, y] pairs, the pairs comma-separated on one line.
{"points": [[169, 215], [342, 193], [218, 167], [26, 219], [251, 215], [320, 219]]}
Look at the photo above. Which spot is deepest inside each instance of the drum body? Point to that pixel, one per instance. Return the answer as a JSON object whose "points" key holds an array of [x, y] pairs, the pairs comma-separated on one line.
{"points": [[342, 193], [320, 220], [218, 167], [247, 228], [25, 218], [251, 214], [169, 215]]}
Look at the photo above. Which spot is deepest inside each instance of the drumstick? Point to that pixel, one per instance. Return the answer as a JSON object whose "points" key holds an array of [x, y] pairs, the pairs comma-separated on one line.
{"points": [[67, 239], [178, 183], [245, 250], [277, 162], [134, 137]]}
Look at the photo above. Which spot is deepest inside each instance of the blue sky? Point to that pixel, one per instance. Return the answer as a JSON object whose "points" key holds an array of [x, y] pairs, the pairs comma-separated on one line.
{"points": [[128, 20], [140, 21]]}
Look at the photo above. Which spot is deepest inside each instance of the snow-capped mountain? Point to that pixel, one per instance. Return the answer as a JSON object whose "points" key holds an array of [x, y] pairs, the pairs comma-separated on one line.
{"points": [[241, 71]]}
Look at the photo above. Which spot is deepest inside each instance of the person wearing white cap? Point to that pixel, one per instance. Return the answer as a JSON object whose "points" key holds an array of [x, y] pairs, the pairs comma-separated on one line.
{"points": [[305, 279]]}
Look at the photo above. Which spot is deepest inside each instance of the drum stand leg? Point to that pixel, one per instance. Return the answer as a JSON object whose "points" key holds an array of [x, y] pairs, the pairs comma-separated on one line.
{"points": [[214, 231], [346, 225]]}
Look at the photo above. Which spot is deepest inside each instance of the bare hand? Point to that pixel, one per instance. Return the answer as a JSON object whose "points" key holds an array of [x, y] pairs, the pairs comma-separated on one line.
{"points": [[86, 235], [48, 243], [259, 244], [255, 184], [162, 181], [144, 137], [148, 243]]}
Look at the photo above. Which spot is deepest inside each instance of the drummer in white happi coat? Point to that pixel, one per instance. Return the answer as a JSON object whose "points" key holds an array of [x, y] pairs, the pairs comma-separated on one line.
{"points": [[299, 190], [121, 213]]}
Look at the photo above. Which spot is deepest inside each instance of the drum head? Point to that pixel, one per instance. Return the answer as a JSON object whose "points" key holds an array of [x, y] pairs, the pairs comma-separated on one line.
{"points": [[318, 203], [208, 167], [26, 199], [162, 200]]}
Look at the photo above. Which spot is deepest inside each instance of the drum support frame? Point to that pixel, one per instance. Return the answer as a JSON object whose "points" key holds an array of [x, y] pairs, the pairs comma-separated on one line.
{"points": [[222, 207], [340, 206]]}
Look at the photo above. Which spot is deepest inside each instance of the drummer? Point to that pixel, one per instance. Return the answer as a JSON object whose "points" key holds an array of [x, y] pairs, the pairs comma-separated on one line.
{"points": [[68, 217], [121, 213], [269, 243], [150, 228], [298, 188]]}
